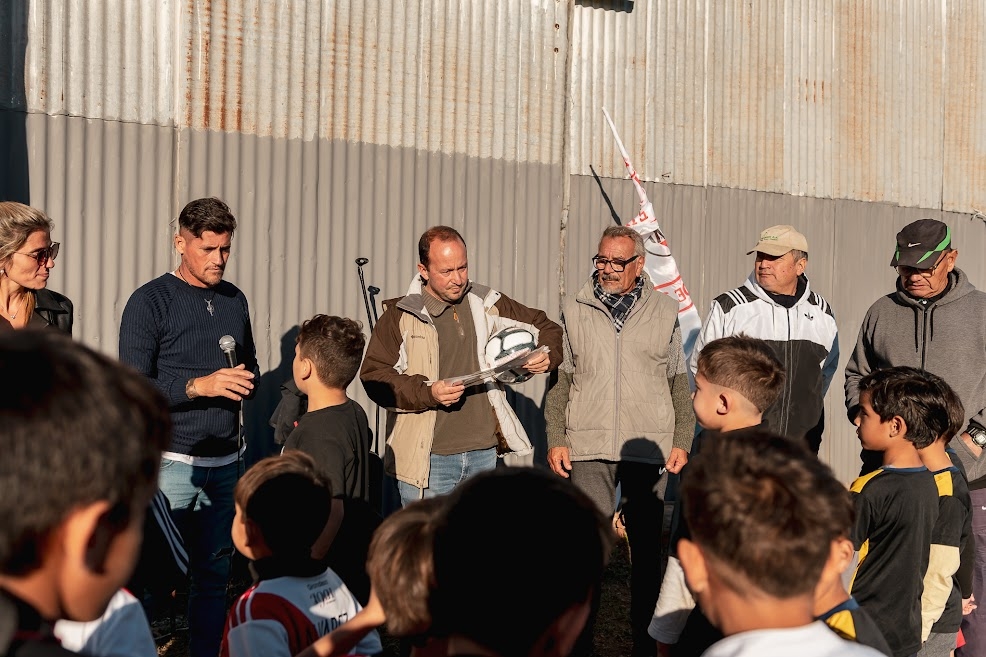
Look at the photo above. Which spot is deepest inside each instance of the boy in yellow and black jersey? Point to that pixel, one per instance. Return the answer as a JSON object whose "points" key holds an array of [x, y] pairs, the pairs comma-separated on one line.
{"points": [[896, 505]]}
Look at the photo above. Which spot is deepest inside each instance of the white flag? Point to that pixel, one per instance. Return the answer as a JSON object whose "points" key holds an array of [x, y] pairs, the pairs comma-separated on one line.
{"points": [[660, 264]]}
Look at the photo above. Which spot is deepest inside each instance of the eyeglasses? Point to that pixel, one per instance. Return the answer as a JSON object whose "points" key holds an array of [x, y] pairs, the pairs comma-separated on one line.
{"points": [[906, 272], [617, 265], [43, 255]]}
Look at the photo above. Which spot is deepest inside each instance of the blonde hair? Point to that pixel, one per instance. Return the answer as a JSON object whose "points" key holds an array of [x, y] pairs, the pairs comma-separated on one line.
{"points": [[17, 222]]}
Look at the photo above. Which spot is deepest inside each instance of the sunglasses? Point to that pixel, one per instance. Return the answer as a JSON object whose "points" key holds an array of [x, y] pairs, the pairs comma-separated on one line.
{"points": [[43, 255]]}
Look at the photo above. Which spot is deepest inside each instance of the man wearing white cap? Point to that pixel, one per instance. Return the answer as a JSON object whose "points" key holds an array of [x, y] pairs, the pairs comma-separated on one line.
{"points": [[776, 304]]}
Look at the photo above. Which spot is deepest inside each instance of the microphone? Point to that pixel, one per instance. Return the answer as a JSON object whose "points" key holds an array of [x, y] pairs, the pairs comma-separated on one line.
{"points": [[228, 345]]}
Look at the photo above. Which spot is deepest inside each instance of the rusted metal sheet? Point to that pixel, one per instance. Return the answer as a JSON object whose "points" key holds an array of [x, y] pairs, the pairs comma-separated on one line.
{"points": [[824, 99], [101, 59], [964, 155], [647, 67], [484, 79]]}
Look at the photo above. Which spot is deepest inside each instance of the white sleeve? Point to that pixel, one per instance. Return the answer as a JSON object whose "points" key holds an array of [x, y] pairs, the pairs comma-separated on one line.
{"points": [[258, 638], [122, 631], [673, 606], [713, 329]]}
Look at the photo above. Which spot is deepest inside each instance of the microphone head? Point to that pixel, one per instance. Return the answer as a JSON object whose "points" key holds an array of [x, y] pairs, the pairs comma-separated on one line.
{"points": [[227, 343]]}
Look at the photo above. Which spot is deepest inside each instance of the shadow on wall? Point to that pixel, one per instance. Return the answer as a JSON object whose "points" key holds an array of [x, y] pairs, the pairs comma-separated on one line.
{"points": [[14, 178], [260, 435]]}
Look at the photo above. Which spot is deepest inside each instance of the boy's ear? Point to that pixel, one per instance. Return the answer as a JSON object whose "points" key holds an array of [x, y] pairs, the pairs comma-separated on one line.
{"points": [[841, 553], [86, 536], [694, 564], [254, 537], [306, 368], [725, 403], [898, 427]]}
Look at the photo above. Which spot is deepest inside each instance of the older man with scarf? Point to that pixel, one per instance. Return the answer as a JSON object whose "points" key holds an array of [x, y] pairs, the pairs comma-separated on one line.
{"points": [[621, 410]]}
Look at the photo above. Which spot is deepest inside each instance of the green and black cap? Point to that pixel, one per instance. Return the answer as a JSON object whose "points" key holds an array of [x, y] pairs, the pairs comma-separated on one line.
{"points": [[920, 242]]}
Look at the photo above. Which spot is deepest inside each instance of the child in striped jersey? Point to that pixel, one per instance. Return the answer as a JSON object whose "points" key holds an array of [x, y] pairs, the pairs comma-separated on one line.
{"points": [[896, 505], [839, 610], [945, 581], [294, 600]]}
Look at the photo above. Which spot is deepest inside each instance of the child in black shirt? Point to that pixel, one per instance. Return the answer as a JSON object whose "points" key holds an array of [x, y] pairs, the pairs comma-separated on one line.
{"points": [[335, 432]]}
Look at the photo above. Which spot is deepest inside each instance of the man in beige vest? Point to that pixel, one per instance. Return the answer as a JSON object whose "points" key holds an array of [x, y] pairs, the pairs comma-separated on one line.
{"points": [[621, 411]]}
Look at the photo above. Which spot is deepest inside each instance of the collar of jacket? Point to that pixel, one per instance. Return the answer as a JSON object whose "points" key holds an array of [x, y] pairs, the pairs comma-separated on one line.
{"points": [[46, 300], [761, 293], [413, 303], [961, 286]]}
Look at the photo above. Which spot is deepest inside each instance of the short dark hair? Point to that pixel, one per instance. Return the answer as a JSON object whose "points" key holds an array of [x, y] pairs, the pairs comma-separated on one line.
{"points": [[439, 233], [270, 489], [913, 395], [766, 509], [335, 346], [496, 519], [207, 214], [400, 566], [78, 428], [744, 364]]}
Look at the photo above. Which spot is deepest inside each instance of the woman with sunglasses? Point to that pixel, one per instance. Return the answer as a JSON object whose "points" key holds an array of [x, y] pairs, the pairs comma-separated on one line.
{"points": [[27, 255]]}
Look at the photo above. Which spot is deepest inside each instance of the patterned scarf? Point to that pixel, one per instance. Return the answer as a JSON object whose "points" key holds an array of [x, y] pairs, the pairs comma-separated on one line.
{"points": [[619, 305]]}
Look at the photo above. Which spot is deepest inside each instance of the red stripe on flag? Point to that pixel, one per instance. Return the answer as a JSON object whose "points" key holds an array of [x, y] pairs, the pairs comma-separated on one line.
{"points": [[663, 285]]}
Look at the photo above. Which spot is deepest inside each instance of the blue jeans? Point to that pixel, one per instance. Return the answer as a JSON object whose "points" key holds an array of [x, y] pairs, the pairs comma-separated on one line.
{"points": [[202, 507], [447, 472]]}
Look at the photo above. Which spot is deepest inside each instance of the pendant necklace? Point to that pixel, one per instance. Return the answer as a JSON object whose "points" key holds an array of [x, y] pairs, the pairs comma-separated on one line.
{"points": [[208, 302]]}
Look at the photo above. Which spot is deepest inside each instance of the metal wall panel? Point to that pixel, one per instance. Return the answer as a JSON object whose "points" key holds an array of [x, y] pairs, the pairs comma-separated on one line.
{"points": [[710, 230], [647, 67], [484, 79], [828, 99], [101, 59], [307, 209], [965, 108], [107, 186]]}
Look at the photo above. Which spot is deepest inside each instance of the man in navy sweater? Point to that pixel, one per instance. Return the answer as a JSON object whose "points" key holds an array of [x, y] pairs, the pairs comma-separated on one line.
{"points": [[170, 332]]}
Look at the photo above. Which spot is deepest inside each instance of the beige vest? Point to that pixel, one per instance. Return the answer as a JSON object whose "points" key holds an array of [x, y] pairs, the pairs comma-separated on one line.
{"points": [[619, 405]]}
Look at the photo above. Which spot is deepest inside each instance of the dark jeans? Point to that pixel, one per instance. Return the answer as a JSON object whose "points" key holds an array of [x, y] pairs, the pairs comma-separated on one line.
{"points": [[642, 486]]}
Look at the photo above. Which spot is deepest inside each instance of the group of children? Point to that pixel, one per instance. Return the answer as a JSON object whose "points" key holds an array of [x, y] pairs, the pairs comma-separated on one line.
{"points": [[788, 534], [770, 553]]}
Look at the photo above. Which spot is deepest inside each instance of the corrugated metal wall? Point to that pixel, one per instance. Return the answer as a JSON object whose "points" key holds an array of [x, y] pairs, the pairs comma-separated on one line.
{"points": [[333, 130], [339, 129], [872, 101], [841, 118]]}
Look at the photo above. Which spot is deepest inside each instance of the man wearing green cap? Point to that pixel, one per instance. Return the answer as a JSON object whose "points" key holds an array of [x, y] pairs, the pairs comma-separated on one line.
{"points": [[935, 321]]}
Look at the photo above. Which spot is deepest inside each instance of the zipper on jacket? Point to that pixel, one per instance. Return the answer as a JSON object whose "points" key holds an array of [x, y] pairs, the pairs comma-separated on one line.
{"points": [[616, 381], [924, 336], [788, 385]]}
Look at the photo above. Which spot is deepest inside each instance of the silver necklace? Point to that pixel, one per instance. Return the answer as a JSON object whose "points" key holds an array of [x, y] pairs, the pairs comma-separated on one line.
{"points": [[208, 302], [8, 314]]}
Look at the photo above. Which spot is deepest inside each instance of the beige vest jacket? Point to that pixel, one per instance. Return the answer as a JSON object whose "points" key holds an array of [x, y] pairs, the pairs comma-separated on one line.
{"points": [[619, 405]]}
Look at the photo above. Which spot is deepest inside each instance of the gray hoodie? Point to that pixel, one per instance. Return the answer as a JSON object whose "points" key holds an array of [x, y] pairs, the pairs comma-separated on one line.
{"points": [[946, 337]]}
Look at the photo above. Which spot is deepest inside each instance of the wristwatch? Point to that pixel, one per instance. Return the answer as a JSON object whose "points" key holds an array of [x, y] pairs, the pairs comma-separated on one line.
{"points": [[977, 434]]}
